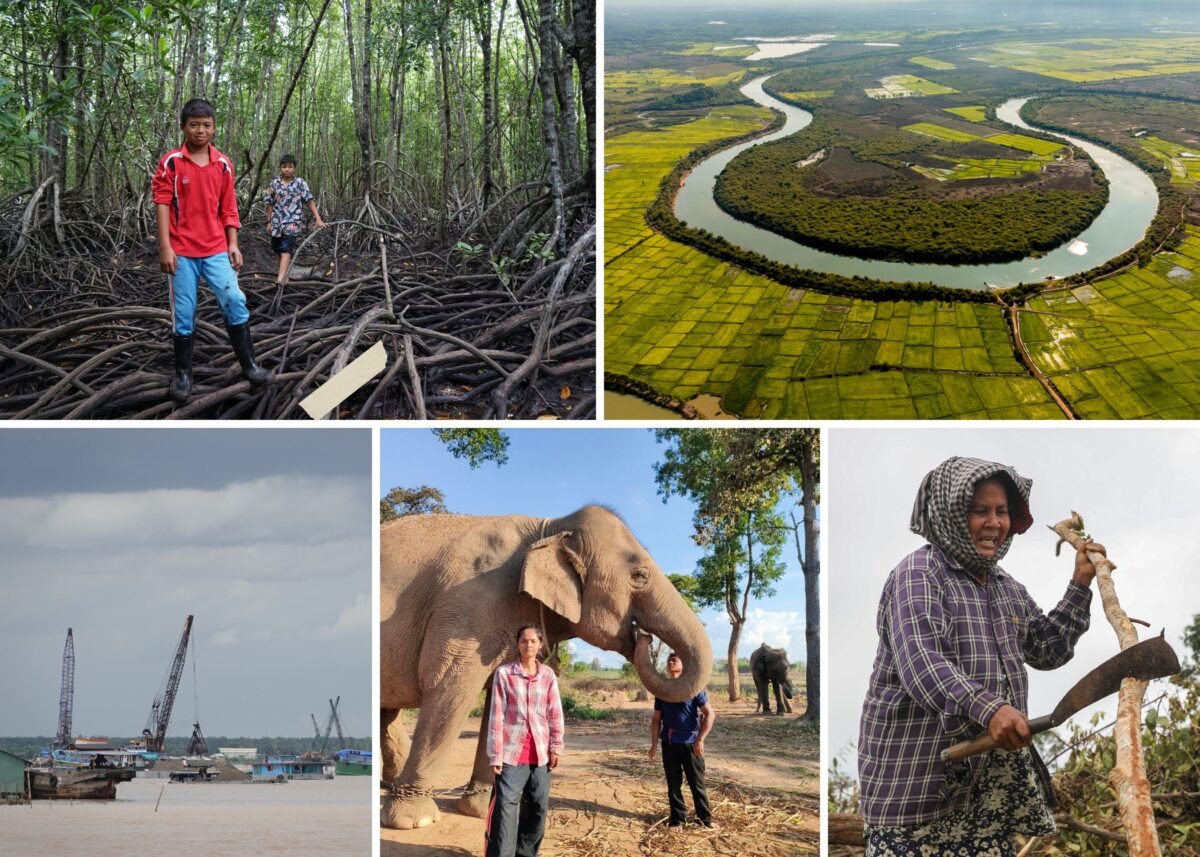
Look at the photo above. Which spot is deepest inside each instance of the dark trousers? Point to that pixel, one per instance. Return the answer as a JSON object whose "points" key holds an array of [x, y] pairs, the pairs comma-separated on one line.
{"points": [[517, 813], [680, 761]]}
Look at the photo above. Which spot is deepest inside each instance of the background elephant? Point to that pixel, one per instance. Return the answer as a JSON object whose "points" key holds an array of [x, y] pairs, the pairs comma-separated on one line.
{"points": [[453, 591], [770, 667]]}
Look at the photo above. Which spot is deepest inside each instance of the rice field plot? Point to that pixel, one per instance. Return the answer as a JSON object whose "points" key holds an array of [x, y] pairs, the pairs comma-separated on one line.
{"points": [[930, 62], [1026, 144], [972, 113], [1094, 60], [808, 95], [980, 168], [625, 88], [1127, 347], [941, 132], [906, 86], [1184, 162], [635, 164]]}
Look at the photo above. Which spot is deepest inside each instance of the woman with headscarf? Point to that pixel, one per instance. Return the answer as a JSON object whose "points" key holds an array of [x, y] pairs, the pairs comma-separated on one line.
{"points": [[955, 633]]}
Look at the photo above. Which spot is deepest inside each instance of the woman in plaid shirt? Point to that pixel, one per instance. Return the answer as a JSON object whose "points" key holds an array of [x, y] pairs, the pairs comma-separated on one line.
{"points": [[955, 634], [525, 738]]}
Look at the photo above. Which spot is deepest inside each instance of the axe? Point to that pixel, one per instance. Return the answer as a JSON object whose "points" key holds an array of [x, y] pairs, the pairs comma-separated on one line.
{"points": [[1150, 659]]}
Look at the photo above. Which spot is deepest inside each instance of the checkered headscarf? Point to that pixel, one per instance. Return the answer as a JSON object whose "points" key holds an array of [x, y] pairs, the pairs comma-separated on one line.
{"points": [[940, 512]]}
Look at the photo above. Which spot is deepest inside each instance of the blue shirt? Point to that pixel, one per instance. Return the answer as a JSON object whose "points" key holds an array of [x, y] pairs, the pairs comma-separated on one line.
{"points": [[681, 720]]}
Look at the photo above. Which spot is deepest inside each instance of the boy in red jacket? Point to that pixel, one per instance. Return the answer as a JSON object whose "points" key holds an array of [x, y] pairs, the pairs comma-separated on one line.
{"points": [[198, 237]]}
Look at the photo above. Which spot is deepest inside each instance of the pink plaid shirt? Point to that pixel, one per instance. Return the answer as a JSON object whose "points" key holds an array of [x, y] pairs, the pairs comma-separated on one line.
{"points": [[524, 705]]}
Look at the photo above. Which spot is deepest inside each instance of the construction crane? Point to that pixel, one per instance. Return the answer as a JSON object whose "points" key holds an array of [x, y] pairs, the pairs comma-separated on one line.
{"points": [[160, 710], [316, 733], [337, 721], [66, 695]]}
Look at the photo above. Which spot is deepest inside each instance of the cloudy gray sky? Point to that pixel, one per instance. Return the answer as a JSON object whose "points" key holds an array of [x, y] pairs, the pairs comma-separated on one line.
{"points": [[264, 535], [1136, 490]]}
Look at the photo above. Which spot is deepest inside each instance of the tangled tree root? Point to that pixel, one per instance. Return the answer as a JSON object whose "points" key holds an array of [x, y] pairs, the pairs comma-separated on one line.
{"points": [[85, 330]]}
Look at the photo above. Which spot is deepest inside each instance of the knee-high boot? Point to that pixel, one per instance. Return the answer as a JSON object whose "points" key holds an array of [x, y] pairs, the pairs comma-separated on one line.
{"points": [[181, 383], [239, 338]]}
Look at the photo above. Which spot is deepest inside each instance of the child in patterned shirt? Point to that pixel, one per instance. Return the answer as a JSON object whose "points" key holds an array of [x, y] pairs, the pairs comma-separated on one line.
{"points": [[286, 197]]}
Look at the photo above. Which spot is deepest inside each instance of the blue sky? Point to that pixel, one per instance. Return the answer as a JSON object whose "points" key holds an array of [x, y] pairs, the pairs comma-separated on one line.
{"points": [[551, 472]]}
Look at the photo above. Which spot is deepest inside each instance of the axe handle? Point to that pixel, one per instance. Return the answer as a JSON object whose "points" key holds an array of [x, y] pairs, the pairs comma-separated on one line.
{"points": [[964, 749]]}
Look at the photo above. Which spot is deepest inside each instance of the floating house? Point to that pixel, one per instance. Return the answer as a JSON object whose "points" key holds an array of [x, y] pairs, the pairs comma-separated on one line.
{"points": [[14, 783], [284, 768]]}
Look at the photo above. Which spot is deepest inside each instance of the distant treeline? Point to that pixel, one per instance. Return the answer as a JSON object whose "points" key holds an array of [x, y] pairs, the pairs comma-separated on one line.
{"points": [[1165, 230], [892, 216], [661, 216], [30, 747]]}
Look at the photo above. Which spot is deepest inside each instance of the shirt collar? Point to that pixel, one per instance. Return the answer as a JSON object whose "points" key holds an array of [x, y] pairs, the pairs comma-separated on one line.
{"points": [[954, 565], [515, 668], [213, 154]]}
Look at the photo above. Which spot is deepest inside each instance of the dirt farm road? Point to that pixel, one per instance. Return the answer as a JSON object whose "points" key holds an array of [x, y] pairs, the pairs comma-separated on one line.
{"points": [[607, 799]]}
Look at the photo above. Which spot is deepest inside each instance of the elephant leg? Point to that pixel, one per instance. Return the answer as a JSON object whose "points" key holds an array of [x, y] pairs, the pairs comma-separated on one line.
{"points": [[474, 800], [778, 697], [394, 744], [443, 709]]}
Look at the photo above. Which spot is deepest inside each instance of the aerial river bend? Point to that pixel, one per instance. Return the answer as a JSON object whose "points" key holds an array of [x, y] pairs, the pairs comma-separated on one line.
{"points": [[1131, 206]]}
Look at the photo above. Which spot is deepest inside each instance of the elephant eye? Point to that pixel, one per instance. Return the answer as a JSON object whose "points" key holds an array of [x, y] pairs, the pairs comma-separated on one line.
{"points": [[640, 577]]}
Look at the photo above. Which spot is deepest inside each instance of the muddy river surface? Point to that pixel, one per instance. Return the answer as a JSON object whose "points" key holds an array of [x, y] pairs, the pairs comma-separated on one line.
{"points": [[304, 817]]}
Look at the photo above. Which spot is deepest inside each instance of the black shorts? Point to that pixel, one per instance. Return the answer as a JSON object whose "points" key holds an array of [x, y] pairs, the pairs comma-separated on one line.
{"points": [[284, 244]]}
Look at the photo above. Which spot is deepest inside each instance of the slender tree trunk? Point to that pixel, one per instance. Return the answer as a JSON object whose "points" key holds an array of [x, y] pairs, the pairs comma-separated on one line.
{"points": [[447, 139], [810, 564], [550, 137]]}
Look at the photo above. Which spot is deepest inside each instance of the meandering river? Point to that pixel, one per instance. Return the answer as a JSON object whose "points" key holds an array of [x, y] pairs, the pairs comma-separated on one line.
{"points": [[1131, 206]]}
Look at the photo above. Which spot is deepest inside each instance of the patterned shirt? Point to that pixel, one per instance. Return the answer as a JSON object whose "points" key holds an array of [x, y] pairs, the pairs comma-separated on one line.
{"points": [[947, 645], [288, 201], [523, 705]]}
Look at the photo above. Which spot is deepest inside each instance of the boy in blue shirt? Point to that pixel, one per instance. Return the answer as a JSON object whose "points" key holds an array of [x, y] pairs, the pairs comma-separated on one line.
{"points": [[683, 726]]}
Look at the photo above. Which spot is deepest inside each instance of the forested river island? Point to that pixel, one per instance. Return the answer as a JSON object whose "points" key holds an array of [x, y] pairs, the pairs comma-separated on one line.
{"points": [[903, 211]]}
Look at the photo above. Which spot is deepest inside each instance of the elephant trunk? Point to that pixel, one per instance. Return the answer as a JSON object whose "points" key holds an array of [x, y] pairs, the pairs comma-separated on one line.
{"points": [[692, 646]]}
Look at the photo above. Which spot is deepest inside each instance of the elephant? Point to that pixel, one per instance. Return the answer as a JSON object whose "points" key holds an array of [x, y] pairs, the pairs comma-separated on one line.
{"points": [[770, 667], [453, 591]]}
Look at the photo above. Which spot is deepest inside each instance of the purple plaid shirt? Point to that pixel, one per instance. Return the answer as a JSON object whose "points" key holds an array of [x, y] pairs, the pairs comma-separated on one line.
{"points": [[947, 648]]}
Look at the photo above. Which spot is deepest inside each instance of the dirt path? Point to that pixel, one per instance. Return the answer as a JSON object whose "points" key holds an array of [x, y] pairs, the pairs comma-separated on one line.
{"points": [[607, 799]]}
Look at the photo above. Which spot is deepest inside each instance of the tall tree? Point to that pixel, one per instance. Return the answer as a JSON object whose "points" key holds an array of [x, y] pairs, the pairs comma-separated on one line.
{"points": [[786, 461], [475, 445]]}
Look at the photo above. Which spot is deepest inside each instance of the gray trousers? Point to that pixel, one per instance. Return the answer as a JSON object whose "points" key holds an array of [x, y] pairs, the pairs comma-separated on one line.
{"points": [[517, 812]]}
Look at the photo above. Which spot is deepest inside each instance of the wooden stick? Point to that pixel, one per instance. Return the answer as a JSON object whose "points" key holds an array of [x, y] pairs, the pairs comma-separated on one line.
{"points": [[1128, 776]]}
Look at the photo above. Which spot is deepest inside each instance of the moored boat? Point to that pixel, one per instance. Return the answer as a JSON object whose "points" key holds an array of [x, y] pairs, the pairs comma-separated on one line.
{"points": [[353, 763], [77, 783]]}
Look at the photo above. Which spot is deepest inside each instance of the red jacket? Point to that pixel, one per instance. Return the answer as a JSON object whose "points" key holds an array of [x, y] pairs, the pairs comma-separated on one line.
{"points": [[201, 199]]}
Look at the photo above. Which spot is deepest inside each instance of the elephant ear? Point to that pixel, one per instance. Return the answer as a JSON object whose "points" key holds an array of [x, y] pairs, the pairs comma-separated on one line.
{"points": [[554, 575]]}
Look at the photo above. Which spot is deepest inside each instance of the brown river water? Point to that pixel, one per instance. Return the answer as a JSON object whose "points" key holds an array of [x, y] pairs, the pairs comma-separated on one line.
{"points": [[302, 817]]}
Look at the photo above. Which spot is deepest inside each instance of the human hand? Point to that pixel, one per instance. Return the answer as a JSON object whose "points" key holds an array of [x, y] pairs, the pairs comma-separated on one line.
{"points": [[1085, 570], [235, 257], [698, 748], [650, 755], [166, 259], [497, 769], [553, 761], [1009, 729], [321, 224]]}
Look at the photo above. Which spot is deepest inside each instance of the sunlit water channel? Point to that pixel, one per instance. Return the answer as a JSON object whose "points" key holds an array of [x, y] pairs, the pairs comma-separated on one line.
{"points": [[1131, 206]]}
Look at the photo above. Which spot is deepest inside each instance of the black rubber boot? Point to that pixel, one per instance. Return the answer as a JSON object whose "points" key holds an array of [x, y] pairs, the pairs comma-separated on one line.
{"points": [[239, 338], [181, 384]]}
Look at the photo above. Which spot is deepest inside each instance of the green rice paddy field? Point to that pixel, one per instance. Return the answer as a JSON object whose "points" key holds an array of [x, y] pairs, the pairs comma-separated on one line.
{"points": [[686, 323]]}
